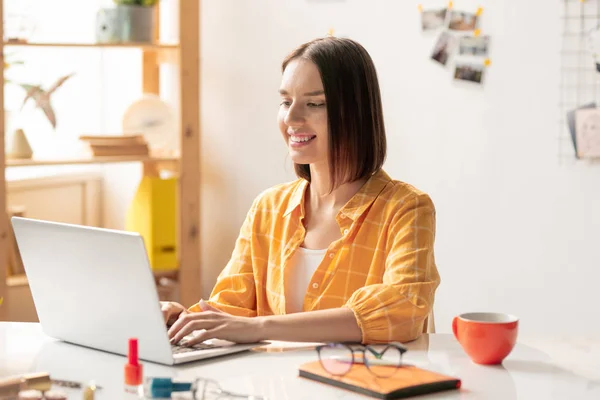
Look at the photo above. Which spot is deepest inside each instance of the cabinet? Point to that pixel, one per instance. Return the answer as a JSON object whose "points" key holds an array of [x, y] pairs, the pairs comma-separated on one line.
{"points": [[186, 54]]}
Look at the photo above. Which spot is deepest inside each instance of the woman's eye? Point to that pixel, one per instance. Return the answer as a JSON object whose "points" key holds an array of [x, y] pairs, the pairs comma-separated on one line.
{"points": [[316, 104], [285, 103]]}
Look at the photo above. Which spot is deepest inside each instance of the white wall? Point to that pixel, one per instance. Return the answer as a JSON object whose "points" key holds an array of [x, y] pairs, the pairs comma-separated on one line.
{"points": [[515, 222]]}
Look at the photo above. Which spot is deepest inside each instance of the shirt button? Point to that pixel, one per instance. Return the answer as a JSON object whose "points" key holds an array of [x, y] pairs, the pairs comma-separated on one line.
{"points": [[330, 255], [345, 231], [315, 285]]}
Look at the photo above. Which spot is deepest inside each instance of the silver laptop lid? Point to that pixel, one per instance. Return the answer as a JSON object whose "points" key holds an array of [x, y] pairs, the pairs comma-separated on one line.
{"points": [[93, 287]]}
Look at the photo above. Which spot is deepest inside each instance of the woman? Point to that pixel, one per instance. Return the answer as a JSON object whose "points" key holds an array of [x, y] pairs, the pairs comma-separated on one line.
{"points": [[345, 244]]}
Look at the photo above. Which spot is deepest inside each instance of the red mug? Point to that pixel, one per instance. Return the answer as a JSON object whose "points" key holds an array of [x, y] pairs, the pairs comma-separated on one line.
{"points": [[487, 338]]}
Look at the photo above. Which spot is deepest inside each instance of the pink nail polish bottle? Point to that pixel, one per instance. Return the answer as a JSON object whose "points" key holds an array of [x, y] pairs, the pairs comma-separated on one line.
{"points": [[133, 369]]}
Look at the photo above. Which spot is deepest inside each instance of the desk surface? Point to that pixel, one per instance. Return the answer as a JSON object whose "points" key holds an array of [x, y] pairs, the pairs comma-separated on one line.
{"points": [[541, 369]]}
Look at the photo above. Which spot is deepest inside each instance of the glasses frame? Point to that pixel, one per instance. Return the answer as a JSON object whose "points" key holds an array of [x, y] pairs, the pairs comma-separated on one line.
{"points": [[362, 348]]}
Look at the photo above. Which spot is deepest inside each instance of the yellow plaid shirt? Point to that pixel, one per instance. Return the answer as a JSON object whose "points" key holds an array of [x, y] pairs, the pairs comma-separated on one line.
{"points": [[382, 268]]}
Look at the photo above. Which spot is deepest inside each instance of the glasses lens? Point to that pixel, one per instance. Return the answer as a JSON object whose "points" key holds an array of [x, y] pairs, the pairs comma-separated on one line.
{"points": [[336, 358], [383, 360]]}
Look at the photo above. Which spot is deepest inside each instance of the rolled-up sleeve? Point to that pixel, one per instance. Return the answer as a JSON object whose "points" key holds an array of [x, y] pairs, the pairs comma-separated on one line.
{"points": [[235, 289], [396, 309]]}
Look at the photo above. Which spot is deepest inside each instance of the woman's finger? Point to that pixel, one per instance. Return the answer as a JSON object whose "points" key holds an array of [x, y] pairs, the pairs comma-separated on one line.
{"points": [[207, 307], [202, 336], [181, 321], [189, 328], [187, 323], [168, 311], [165, 312], [177, 325]]}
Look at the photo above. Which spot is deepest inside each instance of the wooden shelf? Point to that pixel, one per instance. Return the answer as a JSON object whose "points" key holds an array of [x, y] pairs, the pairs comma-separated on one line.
{"points": [[89, 160], [17, 280], [143, 46]]}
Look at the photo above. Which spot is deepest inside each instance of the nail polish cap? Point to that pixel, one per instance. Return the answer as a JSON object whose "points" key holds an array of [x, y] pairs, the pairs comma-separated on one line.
{"points": [[164, 387]]}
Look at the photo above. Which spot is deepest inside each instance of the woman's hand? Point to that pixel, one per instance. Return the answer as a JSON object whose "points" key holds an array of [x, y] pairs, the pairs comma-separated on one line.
{"points": [[171, 311], [332, 325], [216, 324]]}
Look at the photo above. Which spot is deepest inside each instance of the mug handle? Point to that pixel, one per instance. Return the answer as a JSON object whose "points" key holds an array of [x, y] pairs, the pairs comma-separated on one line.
{"points": [[455, 328]]}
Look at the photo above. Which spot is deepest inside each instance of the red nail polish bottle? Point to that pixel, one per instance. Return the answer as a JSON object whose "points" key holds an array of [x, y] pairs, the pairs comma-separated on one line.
{"points": [[133, 369]]}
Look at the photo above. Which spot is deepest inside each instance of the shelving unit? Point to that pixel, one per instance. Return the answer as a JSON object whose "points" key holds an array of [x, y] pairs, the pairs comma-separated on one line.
{"points": [[95, 45], [186, 54]]}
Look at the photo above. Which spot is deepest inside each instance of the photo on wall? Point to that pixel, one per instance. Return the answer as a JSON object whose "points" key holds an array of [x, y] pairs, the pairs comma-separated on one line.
{"points": [[469, 72], [593, 46], [588, 132], [433, 19], [462, 21], [573, 128], [474, 45], [443, 48]]}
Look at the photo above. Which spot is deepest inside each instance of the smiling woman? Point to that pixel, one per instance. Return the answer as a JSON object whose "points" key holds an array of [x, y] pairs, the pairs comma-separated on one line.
{"points": [[303, 113], [342, 254]]}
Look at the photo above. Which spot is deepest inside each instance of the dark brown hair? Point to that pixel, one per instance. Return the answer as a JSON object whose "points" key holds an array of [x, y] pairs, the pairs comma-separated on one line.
{"points": [[357, 143]]}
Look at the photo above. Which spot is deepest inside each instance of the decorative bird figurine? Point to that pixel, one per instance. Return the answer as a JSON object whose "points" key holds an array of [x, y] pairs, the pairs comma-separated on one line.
{"points": [[42, 97]]}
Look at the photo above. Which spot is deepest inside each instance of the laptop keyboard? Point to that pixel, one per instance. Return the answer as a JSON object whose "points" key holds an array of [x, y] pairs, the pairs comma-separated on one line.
{"points": [[177, 349]]}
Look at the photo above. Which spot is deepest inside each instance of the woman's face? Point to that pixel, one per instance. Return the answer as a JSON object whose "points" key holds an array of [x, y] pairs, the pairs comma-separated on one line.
{"points": [[303, 113]]}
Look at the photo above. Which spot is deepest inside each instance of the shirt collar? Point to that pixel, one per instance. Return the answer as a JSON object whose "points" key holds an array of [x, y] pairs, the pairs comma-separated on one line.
{"points": [[367, 194], [296, 200], [355, 206]]}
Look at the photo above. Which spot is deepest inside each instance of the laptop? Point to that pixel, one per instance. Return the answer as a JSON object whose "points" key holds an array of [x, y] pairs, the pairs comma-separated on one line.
{"points": [[94, 287]]}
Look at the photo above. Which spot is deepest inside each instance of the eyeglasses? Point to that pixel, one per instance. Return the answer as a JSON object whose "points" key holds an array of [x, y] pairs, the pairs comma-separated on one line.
{"points": [[381, 360]]}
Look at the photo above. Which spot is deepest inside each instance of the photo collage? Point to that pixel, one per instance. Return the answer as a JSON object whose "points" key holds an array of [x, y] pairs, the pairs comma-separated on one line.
{"points": [[583, 121], [459, 39]]}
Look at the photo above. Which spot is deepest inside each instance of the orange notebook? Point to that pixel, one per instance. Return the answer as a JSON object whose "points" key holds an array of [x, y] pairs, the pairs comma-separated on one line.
{"points": [[408, 381]]}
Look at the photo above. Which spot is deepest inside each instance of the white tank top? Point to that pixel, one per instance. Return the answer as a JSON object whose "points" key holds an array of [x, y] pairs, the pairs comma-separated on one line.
{"points": [[298, 274]]}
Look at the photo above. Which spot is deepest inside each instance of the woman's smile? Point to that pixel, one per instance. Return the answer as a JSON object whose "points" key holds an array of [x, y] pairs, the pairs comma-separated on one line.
{"points": [[298, 140]]}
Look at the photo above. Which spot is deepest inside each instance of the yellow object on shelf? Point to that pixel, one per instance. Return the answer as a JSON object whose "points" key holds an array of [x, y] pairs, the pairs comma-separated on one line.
{"points": [[153, 214]]}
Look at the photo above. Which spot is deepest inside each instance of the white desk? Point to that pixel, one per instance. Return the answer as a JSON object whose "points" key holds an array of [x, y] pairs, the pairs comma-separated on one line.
{"points": [[541, 370]]}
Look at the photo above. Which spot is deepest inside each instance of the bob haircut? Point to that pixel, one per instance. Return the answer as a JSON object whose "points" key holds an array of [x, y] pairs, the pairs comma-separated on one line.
{"points": [[357, 142]]}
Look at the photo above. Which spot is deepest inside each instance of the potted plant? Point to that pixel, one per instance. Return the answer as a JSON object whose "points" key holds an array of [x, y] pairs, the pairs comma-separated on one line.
{"points": [[131, 21], [137, 20]]}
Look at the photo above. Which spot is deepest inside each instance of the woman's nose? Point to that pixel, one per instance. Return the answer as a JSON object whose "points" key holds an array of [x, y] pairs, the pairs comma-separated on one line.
{"points": [[294, 116]]}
